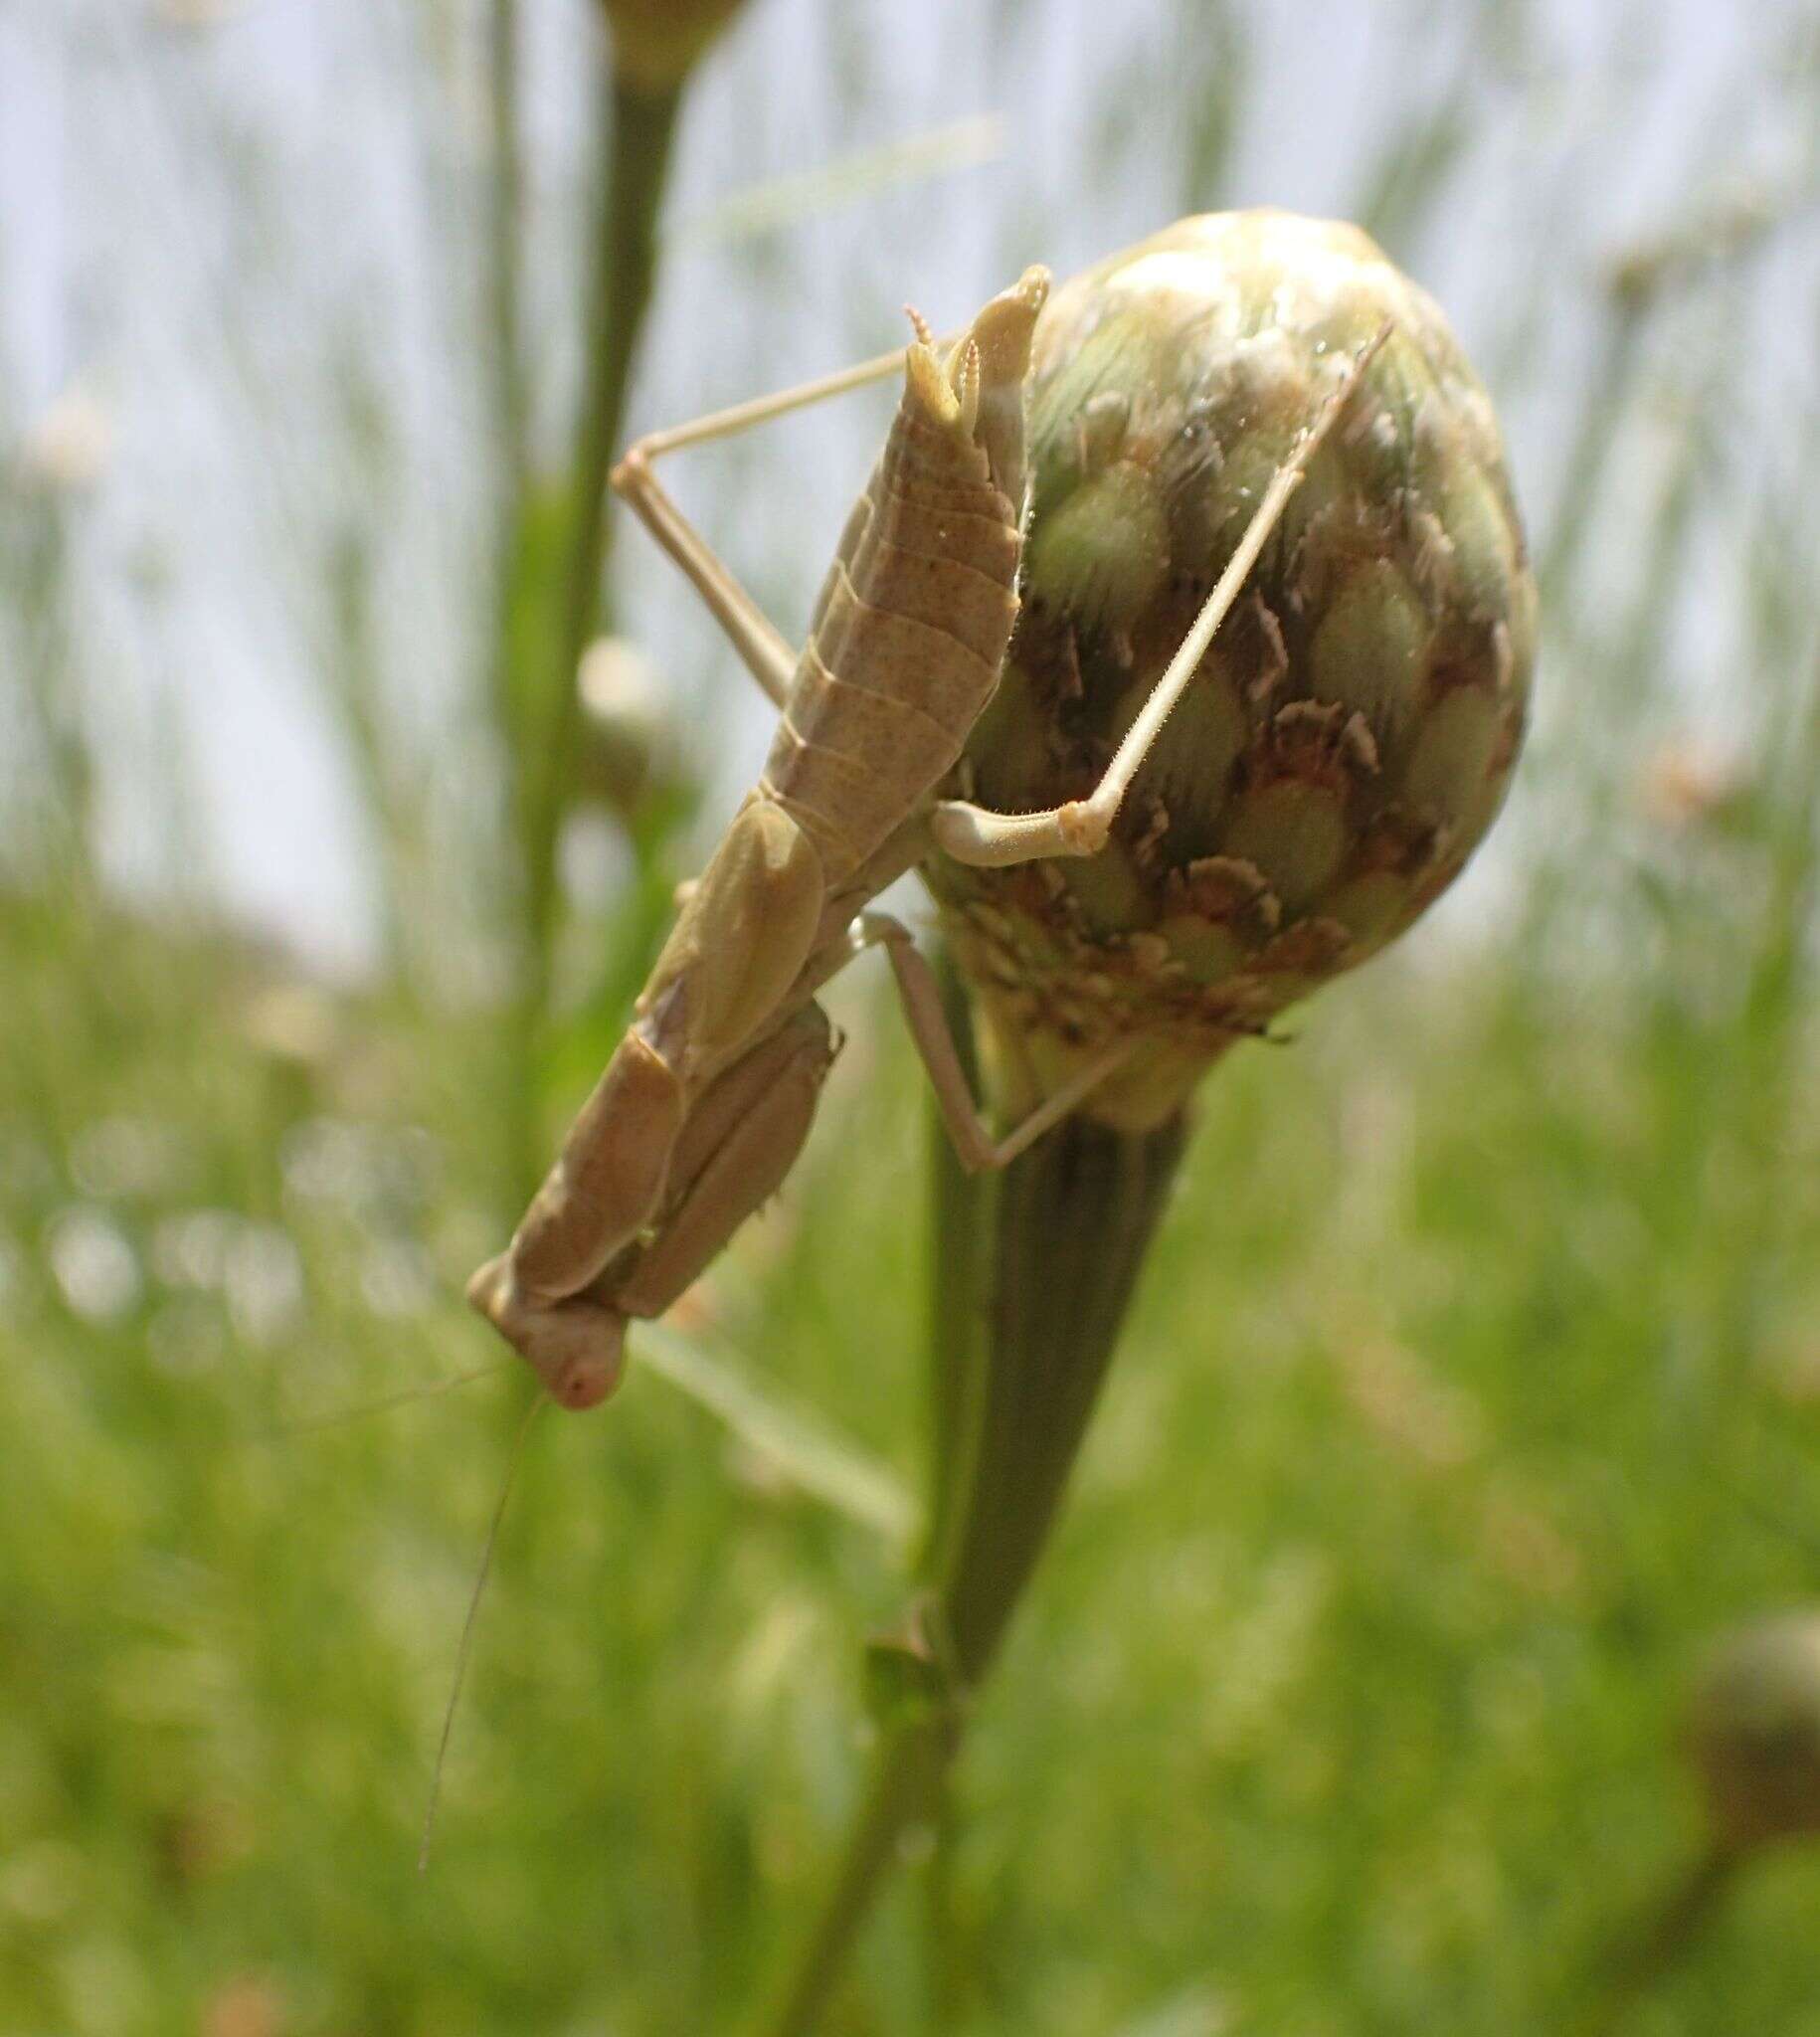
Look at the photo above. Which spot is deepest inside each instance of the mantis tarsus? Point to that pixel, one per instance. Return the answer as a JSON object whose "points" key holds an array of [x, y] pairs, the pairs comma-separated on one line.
{"points": [[708, 1098]]}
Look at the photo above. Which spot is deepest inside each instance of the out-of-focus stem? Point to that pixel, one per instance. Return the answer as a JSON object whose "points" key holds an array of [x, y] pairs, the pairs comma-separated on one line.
{"points": [[907, 1779], [1587, 461], [641, 126], [504, 223], [1646, 1953]]}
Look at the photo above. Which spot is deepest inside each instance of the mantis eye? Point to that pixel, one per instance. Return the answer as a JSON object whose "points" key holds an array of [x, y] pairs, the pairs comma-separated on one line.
{"points": [[590, 1376]]}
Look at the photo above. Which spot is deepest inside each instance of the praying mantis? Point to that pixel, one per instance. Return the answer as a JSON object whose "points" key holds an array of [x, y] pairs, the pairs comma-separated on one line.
{"points": [[708, 1098]]}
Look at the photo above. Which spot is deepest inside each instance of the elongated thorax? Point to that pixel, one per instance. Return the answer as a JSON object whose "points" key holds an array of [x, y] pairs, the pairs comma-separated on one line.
{"points": [[911, 627]]}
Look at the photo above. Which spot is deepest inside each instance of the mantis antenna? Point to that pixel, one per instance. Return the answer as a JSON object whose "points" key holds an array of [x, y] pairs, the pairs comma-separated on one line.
{"points": [[465, 1647], [314, 1425]]}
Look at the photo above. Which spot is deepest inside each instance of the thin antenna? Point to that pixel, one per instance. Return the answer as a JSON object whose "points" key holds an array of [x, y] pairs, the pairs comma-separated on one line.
{"points": [[312, 1423], [465, 1648]]}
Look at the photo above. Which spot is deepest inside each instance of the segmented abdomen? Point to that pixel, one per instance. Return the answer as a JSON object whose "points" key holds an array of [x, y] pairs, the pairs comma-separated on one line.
{"points": [[905, 645]]}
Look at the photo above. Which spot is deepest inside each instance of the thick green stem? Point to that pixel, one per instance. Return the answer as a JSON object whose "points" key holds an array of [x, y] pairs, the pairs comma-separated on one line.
{"points": [[1023, 1331], [1073, 1219], [959, 1293], [959, 1218]]}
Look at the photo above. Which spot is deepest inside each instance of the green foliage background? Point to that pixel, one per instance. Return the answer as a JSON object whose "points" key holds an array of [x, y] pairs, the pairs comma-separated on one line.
{"points": [[1474, 1379]]}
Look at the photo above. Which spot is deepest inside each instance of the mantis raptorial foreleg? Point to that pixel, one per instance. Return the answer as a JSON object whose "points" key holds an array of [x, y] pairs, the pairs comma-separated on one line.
{"points": [[970, 834], [740, 943], [741, 1139]]}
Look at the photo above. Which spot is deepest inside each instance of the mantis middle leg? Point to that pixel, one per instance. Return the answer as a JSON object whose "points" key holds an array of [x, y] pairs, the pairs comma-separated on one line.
{"points": [[933, 1039]]}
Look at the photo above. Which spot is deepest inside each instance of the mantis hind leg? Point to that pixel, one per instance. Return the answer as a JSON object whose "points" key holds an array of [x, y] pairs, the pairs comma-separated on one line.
{"points": [[919, 993], [972, 835], [760, 643]]}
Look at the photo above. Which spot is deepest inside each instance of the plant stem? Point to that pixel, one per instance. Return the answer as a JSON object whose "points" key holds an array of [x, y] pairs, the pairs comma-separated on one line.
{"points": [[1036, 1316], [1074, 1218], [945, 1973], [1644, 1953], [641, 127], [959, 1210], [504, 223], [959, 1218], [907, 1777]]}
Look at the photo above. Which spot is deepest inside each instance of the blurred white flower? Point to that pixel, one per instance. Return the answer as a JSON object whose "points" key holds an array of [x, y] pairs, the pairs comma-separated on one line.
{"points": [[264, 1283], [69, 444], [94, 1263], [361, 1167], [626, 736], [293, 1022], [398, 1278], [620, 684], [127, 1156], [191, 1249]]}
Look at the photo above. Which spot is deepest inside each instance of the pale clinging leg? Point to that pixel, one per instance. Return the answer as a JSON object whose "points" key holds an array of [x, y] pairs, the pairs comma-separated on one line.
{"points": [[760, 645], [972, 835], [921, 997]]}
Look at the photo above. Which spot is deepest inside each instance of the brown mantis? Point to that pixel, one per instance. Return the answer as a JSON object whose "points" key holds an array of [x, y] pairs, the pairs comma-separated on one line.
{"points": [[706, 1102]]}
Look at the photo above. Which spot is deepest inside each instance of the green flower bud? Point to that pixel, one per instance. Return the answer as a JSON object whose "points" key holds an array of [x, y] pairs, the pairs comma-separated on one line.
{"points": [[1753, 1730], [1350, 732]]}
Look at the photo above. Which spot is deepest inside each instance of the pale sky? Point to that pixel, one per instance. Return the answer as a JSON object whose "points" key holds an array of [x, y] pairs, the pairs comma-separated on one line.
{"points": [[231, 239]]}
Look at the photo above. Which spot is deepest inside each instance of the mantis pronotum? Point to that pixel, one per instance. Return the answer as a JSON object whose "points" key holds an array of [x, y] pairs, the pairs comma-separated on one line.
{"points": [[708, 1098]]}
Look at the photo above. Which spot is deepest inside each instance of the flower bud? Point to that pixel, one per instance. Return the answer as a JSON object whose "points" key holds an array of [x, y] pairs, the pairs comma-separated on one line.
{"points": [[1753, 1730], [628, 744], [1351, 731]]}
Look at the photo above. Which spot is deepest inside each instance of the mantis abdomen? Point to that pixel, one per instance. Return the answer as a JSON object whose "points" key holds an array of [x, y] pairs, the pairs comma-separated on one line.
{"points": [[906, 647]]}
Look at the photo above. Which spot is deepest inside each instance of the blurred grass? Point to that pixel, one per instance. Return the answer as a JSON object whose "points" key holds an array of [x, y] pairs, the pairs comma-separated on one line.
{"points": [[1476, 1378]]}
